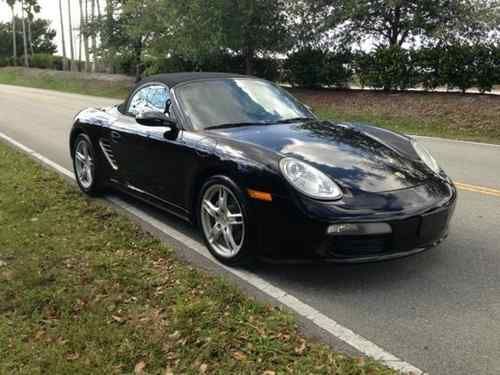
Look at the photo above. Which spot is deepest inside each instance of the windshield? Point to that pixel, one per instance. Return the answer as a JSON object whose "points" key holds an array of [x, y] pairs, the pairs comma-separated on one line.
{"points": [[239, 101]]}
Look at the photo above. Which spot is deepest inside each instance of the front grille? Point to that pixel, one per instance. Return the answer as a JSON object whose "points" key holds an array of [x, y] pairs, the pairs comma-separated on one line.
{"points": [[108, 152], [347, 246]]}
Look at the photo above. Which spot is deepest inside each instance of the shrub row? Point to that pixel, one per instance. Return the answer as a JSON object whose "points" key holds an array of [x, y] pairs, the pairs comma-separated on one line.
{"points": [[38, 60], [267, 68], [455, 67]]}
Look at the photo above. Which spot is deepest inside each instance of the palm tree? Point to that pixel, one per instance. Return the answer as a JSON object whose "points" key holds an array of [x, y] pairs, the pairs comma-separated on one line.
{"points": [[98, 9], [62, 36], [29, 21], [84, 33], [12, 3], [30, 7], [70, 28], [25, 41], [94, 40]]}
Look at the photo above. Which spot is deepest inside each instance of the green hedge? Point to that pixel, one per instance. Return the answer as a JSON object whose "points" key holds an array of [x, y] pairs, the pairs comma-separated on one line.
{"points": [[454, 66], [459, 66], [221, 62], [386, 68], [316, 68]]}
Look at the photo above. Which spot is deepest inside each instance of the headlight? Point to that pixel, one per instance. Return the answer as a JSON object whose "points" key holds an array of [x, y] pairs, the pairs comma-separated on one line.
{"points": [[308, 180], [426, 157]]}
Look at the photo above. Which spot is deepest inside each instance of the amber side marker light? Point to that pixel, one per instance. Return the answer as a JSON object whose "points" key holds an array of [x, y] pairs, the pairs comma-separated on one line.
{"points": [[260, 195]]}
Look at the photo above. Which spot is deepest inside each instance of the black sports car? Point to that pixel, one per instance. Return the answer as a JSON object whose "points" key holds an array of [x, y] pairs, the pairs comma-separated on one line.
{"points": [[260, 174]]}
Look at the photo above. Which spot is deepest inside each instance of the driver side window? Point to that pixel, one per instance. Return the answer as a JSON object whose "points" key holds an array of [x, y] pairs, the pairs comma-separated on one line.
{"points": [[150, 98]]}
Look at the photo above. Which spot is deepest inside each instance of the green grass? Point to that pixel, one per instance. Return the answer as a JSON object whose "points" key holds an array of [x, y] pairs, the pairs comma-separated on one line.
{"points": [[468, 117], [85, 291], [408, 125], [66, 82]]}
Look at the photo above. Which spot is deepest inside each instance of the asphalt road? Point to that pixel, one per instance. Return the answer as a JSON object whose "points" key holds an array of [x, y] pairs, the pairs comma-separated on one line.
{"points": [[439, 311]]}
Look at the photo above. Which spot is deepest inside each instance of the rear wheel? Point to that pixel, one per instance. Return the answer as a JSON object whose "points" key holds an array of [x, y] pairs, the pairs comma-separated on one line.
{"points": [[224, 221], [86, 166]]}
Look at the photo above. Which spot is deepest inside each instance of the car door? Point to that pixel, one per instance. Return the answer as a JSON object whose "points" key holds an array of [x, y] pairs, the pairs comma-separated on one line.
{"points": [[153, 161], [128, 138]]}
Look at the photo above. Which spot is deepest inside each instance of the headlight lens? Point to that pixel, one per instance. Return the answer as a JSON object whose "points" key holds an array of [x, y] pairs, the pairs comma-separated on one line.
{"points": [[309, 180], [426, 157]]}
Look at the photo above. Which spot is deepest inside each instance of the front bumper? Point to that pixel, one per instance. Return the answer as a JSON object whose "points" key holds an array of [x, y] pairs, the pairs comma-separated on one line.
{"points": [[288, 235]]}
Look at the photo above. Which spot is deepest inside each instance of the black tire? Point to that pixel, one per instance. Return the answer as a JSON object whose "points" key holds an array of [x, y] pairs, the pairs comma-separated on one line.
{"points": [[246, 254], [96, 186]]}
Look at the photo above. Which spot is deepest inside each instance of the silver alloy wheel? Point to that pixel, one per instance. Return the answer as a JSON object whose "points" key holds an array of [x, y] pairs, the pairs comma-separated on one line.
{"points": [[222, 221], [84, 165]]}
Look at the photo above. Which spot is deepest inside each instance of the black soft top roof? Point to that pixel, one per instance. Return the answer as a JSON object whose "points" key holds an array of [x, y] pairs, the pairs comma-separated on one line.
{"points": [[173, 79]]}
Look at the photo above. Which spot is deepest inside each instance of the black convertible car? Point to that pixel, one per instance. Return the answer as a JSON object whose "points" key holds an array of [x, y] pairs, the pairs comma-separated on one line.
{"points": [[260, 174]]}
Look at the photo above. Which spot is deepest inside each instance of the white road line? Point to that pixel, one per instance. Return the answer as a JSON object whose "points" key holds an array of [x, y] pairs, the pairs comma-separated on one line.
{"points": [[329, 325]]}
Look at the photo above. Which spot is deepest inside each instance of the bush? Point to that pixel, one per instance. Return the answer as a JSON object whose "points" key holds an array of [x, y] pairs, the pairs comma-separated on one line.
{"points": [[5, 61], [43, 61], [218, 62], [429, 66], [459, 66], [388, 68], [313, 68]]}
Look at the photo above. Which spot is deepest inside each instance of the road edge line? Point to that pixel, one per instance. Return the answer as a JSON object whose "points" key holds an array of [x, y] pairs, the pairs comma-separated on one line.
{"points": [[304, 310]]}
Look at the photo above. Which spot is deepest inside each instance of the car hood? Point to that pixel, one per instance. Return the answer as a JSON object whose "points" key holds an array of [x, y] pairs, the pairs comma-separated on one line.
{"points": [[352, 157]]}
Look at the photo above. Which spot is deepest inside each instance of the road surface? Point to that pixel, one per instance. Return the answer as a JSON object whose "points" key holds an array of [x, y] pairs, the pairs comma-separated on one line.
{"points": [[439, 311]]}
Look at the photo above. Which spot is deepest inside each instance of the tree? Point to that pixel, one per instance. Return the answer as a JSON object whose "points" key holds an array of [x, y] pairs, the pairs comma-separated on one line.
{"points": [[94, 38], [310, 23], [392, 23], [25, 40], [42, 38], [84, 34], [246, 27], [31, 7], [63, 40], [71, 48], [128, 29], [474, 22], [12, 4]]}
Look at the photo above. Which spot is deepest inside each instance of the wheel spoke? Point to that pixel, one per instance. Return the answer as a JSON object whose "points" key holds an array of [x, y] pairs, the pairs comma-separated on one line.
{"points": [[210, 208], [222, 199], [229, 239], [214, 233], [80, 157], [85, 151], [235, 219], [88, 173]]}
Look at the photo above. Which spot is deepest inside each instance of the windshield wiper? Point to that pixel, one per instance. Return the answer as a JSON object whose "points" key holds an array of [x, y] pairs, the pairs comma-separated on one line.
{"points": [[295, 119], [234, 125]]}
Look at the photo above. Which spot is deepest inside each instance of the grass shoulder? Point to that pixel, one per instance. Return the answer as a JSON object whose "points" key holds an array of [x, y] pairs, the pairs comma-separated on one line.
{"points": [[83, 290]]}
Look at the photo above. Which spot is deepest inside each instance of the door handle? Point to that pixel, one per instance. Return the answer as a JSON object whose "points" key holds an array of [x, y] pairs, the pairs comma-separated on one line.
{"points": [[115, 136]]}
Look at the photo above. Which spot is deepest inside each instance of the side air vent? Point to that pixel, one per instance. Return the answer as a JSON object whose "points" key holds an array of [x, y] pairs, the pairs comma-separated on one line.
{"points": [[108, 152]]}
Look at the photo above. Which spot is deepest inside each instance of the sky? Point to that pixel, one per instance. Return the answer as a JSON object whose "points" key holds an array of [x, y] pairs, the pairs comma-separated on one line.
{"points": [[50, 11]]}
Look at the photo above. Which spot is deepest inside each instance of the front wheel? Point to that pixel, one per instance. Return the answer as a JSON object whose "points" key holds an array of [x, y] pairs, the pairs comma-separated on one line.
{"points": [[225, 222], [86, 166]]}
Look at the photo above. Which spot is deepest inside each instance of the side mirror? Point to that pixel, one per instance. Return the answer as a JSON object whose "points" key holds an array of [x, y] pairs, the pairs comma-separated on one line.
{"points": [[155, 119]]}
